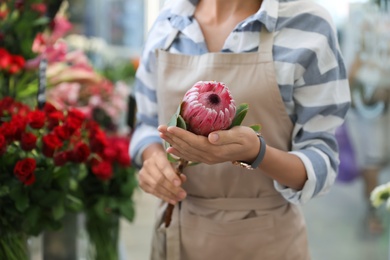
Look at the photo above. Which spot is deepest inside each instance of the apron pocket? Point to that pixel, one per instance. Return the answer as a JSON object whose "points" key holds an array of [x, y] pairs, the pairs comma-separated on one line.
{"points": [[250, 238]]}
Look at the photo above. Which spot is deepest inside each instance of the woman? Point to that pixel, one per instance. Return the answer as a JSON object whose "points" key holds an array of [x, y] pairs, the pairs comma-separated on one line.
{"points": [[282, 58]]}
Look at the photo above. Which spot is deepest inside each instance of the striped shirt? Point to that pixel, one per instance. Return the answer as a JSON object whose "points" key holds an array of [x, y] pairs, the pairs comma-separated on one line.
{"points": [[309, 68]]}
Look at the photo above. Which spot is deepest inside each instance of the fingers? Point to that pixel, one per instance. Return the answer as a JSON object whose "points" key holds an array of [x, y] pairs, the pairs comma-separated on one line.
{"points": [[159, 178], [184, 144]]}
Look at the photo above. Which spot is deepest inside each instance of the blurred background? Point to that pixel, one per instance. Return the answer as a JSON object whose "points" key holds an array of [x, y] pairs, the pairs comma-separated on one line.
{"points": [[343, 224]]}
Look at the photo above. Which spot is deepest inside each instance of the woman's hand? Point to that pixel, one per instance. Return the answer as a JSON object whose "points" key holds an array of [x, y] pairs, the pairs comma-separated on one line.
{"points": [[158, 177], [239, 143]]}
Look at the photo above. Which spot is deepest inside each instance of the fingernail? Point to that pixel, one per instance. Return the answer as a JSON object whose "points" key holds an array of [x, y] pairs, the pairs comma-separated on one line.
{"points": [[182, 195], [214, 137], [176, 183]]}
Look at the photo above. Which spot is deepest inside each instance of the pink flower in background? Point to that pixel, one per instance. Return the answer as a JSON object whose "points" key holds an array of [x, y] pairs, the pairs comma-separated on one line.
{"points": [[208, 106], [60, 27], [79, 59], [39, 44]]}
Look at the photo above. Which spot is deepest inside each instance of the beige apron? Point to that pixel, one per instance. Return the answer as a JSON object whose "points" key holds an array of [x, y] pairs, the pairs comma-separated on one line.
{"points": [[230, 212]]}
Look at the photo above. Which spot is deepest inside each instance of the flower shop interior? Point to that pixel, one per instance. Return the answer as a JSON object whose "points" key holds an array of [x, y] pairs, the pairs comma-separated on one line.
{"points": [[67, 69]]}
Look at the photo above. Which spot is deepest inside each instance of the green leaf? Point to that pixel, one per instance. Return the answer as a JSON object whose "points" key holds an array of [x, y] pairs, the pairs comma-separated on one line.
{"points": [[100, 207], [181, 123], [20, 197], [50, 199], [74, 203], [73, 184], [127, 210], [256, 128], [82, 173], [41, 21], [173, 120], [58, 211], [4, 191], [32, 216], [241, 111]]}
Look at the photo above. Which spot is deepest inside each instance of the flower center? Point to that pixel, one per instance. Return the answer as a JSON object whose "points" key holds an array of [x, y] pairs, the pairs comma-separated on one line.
{"points": [[214, 99]]}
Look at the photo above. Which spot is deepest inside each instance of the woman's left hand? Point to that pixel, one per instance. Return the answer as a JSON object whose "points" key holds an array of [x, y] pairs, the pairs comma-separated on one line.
{"points": [[239, 143]]}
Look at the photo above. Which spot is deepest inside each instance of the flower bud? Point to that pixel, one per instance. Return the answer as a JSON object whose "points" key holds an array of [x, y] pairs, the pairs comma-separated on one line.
{"points": [[208, 106]]}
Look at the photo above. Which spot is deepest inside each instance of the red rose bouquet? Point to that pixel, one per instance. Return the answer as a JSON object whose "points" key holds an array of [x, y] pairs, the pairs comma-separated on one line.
{"points": [[107, 194], [43, 156]]}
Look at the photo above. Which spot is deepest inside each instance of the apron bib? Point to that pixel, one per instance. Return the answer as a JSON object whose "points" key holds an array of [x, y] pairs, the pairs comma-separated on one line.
{"points": [[230, 212]]}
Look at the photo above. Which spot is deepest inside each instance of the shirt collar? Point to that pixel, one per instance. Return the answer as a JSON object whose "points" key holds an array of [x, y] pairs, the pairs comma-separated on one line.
{"points": [[182, 11]]}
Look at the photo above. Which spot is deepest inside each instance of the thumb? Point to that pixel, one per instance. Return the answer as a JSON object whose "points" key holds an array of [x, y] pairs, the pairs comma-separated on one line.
{"points": [[221, 137]]}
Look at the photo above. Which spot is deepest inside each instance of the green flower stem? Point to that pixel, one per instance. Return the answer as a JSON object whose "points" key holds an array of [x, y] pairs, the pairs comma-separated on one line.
{"points": [[6, 85], [103, 236], [13, 246]]}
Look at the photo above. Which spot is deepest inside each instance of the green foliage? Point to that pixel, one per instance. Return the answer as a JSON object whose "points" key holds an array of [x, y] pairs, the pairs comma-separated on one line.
{"points": [[122, 70], [20, 26]]}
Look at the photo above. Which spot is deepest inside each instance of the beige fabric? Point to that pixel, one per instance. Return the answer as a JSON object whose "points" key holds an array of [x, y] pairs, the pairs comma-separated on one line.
{"points": [[231, 213]]}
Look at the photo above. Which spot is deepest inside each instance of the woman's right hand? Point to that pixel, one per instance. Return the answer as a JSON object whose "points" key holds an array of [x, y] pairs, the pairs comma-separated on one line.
{"points": [[158, 177]]}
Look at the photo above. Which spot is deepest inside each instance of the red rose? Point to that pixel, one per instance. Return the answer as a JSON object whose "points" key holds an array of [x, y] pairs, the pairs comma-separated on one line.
{"points": [[24, 170], [5, 59], [102, 170], [36, 119], [17, 64], [92, 126], [19, 4], [39, 8], [54, 119], [109, 153], [72, 124], [19, 123], [28, 141], [60, 158], [3, 145], [61, 132], [7, 102], [3, 14], [80, 153], [98, 141], [49, 108], [22, 109], [50, 143], [124, 159], [8, 129], [76, 114]]}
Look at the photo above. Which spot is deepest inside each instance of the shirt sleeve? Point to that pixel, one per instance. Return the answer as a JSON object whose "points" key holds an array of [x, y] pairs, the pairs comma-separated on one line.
{"points": [[145, 132], [321, 100]]}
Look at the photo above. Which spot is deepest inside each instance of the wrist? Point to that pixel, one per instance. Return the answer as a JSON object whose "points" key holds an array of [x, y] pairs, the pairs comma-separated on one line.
{"points": [[255, 162]]}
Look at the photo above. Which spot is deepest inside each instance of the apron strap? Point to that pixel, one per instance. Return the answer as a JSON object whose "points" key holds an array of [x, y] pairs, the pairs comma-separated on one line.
{"points": [[266, 40], [170, 39]]}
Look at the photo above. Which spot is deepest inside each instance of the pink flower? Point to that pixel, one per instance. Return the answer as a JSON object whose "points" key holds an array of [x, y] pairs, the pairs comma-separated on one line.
{"points": [[39, 44], [78, 57], [60, 27], [208, 106]]}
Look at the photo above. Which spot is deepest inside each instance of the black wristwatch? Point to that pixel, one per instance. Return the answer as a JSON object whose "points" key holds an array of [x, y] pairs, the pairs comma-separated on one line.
{"points": [[259, 157]]}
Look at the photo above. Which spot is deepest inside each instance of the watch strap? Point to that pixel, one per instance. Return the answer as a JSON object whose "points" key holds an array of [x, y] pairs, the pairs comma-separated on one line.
{"points": [[260, 155]]}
